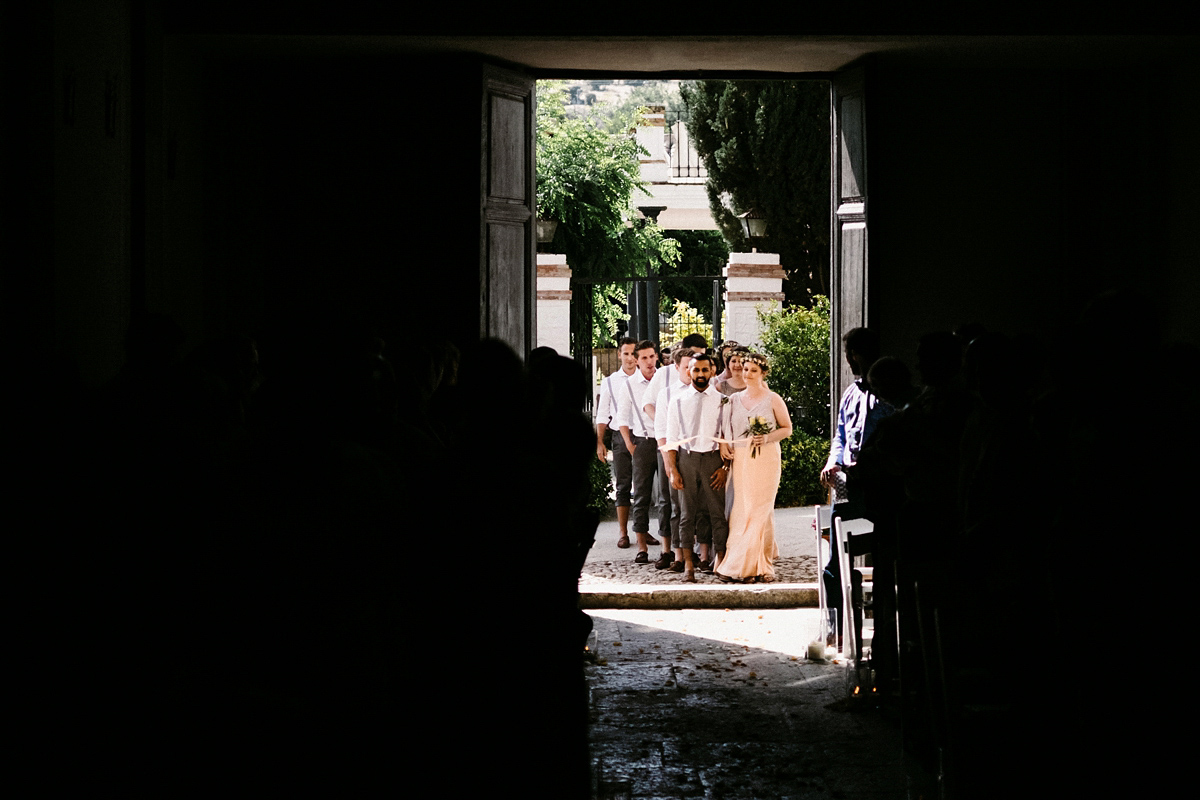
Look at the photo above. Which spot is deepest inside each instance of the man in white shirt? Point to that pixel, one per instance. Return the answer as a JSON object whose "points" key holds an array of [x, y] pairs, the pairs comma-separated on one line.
{"points": [[698, 473], [638, 433], [606, 410], [692, 344], [673, 390]]}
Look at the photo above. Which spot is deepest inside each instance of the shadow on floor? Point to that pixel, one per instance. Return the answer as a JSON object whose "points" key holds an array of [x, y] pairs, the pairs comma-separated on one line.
{"points": [[706, 704]]}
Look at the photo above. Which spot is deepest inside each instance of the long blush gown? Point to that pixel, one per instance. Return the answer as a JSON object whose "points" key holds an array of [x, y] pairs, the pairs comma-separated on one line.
{"points": [[751, 550]]}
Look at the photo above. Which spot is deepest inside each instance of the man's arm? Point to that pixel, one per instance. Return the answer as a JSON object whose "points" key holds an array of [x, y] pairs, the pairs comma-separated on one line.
{"points": [[623, 419], [837, 446], [603, 417], [673, 471], [601, 450], [628, 439], [669, 457]]}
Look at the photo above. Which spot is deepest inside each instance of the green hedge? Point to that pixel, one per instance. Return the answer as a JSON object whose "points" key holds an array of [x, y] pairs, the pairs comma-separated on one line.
{"points": [[796, 340], [600, 498], [803, 458]]}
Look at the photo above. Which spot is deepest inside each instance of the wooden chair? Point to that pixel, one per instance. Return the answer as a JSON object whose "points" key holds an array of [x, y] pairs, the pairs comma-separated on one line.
{"points": [[844, 531]]}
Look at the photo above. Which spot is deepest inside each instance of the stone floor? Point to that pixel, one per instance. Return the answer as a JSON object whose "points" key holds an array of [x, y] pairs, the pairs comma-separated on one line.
{"points": [[788, 569], [722, 704], [607, 564]]}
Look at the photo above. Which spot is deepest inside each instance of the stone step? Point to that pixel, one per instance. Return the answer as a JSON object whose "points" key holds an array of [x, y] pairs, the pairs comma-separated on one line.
{"points": [[669, 596]]}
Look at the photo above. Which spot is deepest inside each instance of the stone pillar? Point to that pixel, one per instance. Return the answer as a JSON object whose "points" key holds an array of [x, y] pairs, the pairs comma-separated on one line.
{"points": [[554, 302], [654, 167], [753, 281]]}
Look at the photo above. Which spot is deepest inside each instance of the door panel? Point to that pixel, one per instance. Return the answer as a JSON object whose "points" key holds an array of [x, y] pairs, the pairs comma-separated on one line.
{"points": [[508, 276], [849, 224]]}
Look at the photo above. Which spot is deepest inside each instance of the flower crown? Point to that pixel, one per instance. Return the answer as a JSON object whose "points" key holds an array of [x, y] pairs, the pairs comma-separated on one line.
{"points": [[756, 358]]}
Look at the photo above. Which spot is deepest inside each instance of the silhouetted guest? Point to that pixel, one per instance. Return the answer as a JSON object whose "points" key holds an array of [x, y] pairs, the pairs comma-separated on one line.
{"points": [[559, 388], [858, 415], [967, 333], [928, 453], [549, 464], [876, 480]]}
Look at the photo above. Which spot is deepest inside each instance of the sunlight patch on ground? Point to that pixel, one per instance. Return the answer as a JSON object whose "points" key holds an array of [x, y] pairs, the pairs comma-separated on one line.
{"points": [[784, 631]]}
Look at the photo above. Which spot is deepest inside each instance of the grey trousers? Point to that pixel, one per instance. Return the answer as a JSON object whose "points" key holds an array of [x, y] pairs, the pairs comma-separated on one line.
{"points": [[668, 511], [675, 511], [644, 465], [622, 469], [699, 501]]}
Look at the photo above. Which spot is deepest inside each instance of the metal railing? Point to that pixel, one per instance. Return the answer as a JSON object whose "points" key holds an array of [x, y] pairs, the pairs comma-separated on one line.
{"points": [[682, 157]]}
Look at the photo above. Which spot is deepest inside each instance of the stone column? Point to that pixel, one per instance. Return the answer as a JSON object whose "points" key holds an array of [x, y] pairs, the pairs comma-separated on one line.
{"points": [[654, 167], [753, 281], [554, 302]]}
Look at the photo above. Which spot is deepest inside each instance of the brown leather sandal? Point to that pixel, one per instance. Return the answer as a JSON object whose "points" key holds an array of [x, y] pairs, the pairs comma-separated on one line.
{"points": [[623, 543]]}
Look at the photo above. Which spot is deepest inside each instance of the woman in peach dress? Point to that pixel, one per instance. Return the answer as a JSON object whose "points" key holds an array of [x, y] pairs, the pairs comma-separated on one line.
{"points": [[751, 550]]}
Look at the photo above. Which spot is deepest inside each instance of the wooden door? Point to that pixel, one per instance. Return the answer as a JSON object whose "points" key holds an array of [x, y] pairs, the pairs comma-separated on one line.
{"points": [[848, 171], [508, 271]]}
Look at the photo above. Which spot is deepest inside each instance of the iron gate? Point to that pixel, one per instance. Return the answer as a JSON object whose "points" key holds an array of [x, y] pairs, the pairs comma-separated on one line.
{"points": [[640, 312]]}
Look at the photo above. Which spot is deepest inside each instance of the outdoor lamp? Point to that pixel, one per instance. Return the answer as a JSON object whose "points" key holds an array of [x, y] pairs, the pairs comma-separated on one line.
{"points": [[545, 230], [754, 225]]}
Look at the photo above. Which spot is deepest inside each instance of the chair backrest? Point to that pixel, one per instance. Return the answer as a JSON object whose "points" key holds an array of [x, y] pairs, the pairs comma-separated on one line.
{"points": [[823, 514], [821, 522], [853, 527]]}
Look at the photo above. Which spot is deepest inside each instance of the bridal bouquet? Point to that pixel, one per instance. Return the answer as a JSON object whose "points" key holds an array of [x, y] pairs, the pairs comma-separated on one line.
{"points": [[759, 426]]}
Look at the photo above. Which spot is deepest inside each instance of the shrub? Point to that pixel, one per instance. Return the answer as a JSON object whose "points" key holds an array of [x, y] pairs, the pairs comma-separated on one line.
{"points": [[803, 457], [600, 496], [796, 340]]}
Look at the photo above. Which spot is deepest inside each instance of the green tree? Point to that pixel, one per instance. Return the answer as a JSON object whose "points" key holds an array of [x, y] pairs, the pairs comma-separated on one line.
{"points": [[700, 253], [765, 145], [586, 181]]}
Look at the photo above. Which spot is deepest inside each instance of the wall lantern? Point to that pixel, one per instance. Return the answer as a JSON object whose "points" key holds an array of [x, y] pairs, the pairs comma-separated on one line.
{"points": [[754, 225], [545, 230]]}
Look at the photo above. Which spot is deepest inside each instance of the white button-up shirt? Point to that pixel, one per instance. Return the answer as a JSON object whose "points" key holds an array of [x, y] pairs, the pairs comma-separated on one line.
{"points": [[606, 405], [629, 406], [682, 419], [664, 376], [662, 403]]}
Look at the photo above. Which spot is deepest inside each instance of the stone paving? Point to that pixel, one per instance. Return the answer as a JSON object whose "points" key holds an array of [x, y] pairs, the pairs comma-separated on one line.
{"points": [[722, 704], [693, 693], [788, 569], [608, 565]]}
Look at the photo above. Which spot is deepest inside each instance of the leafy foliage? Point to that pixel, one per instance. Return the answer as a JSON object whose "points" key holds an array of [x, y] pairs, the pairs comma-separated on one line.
{"points": [[796, 342], [586, 181], [609, 312], [701, 253], [766, 147], [685, 320], [803, 456], [600, 493]]}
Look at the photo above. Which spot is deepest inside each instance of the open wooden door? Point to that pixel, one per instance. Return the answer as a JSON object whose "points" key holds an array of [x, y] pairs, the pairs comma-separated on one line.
{"points": [[848, 251], [508, 265]]}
